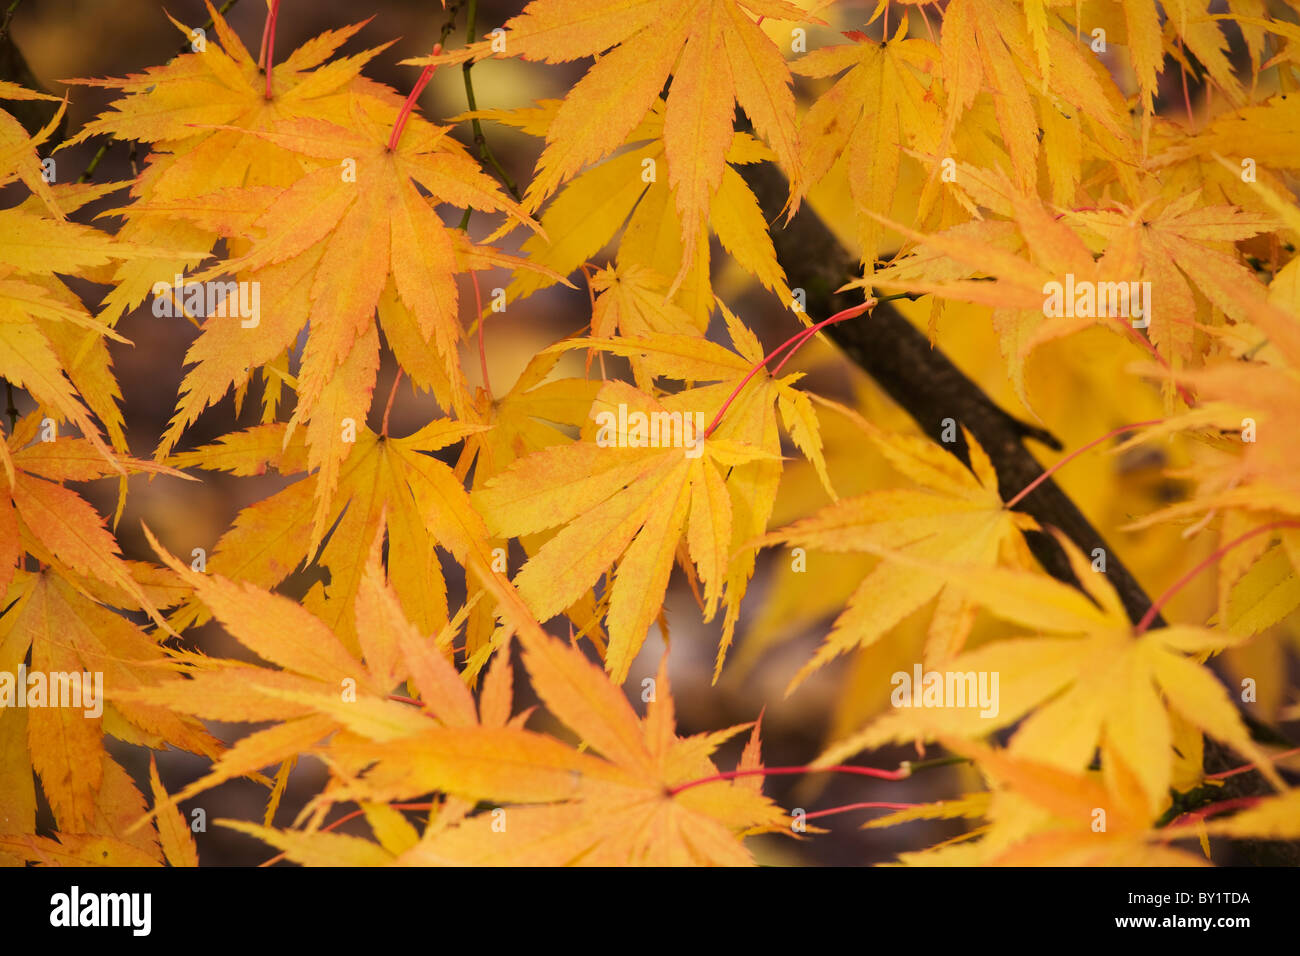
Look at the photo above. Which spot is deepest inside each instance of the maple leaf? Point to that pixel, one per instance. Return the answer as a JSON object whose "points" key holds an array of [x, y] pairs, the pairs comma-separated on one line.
{"points": [[1017, 159], [77, 850], [49, 344], [957, 516], [637, 502], [628, 501], [526, 419], [18, 158], [980, 262], [196, 112], [615, 195], [988, 45], [867, 116], [620, 810], [1183, 243], [717, 57], [387, 483], [1148, 37], [318, 848], [969, 806], [328, 246], [174, 833], [385, 756], [1253, 483], [1165, 250], [1100, 689], [1235, 400], [1042, 815], [57, 526], [62, 616], [321, 685], [1273, 818], [1258, 587], [55, 615], [787, 605], [223, 84]]}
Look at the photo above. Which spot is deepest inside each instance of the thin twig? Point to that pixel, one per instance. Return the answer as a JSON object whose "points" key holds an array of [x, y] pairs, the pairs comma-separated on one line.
{"points": [[484, 149], [94, 161], [9, 15], [450, 24]]}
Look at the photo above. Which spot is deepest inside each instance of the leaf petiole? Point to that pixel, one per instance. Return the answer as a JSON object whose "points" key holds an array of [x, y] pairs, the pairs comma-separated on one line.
{"points": [[792, 343]]}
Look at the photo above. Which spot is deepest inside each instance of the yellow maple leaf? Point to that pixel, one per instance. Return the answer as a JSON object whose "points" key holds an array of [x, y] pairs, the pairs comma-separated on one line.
{"points": [[196, 112], [632, 502], [1109, 687], [717, 56], [1040, 815], [626, 812], [867, 116], [626, 194], [956, 516], [387, 483]]}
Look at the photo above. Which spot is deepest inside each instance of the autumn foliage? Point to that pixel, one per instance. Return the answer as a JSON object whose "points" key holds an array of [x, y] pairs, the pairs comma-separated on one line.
{"points": [[522, 544]]}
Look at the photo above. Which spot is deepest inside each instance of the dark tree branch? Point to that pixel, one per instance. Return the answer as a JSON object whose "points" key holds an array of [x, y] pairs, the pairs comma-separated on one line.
{"points": [[930, 388]]}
